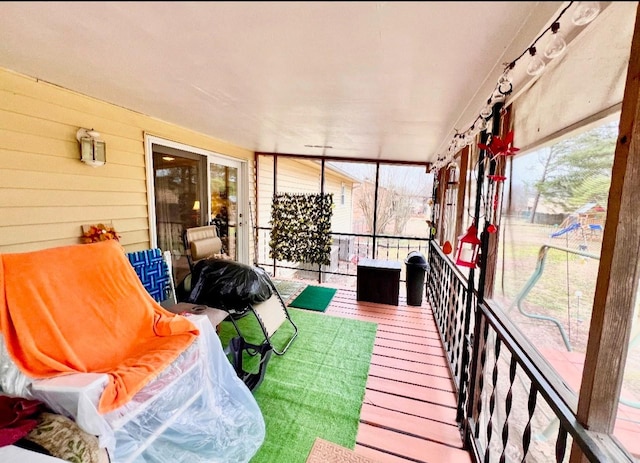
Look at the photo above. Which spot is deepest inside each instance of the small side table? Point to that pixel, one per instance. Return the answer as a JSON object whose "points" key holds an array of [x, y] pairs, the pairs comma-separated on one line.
{"points": [[378, 281], [215, 316]]}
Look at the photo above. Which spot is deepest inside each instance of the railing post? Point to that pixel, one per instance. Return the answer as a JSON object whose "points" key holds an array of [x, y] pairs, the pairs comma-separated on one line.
{"points": [[322, 194], [375, 211], [275, 192]]}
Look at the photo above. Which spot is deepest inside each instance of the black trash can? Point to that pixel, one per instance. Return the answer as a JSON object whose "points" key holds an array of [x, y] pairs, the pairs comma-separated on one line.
{"points": [[416, 267]]}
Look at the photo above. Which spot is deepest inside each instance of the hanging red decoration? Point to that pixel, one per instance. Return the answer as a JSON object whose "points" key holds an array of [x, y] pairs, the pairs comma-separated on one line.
{"points": [[468, 247], [447, 248], [500, 147]]}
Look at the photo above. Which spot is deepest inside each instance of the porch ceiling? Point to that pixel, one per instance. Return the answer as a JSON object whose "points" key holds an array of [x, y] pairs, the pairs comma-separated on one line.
{"points": [[381, 80]]}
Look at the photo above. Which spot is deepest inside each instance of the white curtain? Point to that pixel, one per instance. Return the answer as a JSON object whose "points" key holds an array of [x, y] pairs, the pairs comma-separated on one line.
{"points": [[587, 80]]}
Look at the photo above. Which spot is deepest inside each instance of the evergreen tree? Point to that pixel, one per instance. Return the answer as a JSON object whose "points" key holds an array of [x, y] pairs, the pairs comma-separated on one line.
{"points": [[578, 169]]}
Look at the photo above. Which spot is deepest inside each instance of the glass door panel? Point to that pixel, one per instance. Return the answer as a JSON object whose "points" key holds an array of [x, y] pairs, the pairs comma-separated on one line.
{"points": [[180, 203], [224, 206]]}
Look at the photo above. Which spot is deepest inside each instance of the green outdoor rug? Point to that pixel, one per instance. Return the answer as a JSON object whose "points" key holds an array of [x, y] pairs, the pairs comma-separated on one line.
{"points": [[316, 388], [314, 298]]}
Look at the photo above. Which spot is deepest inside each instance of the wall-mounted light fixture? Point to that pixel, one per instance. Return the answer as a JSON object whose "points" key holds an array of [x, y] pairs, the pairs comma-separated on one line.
{"points": [[93, 150]]}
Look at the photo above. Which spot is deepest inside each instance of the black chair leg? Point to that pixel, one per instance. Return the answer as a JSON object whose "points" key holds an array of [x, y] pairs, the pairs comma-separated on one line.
{"points": [[237, 346]]}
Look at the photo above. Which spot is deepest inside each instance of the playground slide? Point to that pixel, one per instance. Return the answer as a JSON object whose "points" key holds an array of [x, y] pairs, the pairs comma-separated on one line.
{"points": [[573, 226]]}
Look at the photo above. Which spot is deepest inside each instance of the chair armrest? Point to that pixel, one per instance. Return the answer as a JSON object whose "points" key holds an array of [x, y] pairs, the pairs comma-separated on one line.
{"points": [[76, 395], [66, 392], [72, 382]]}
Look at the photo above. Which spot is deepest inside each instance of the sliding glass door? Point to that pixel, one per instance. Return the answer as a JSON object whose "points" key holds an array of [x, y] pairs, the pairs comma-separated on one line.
{"points": [[191, 189]]}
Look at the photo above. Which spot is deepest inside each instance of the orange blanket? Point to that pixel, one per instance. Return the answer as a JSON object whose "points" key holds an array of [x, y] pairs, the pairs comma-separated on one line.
{"points": [[82, 308]]}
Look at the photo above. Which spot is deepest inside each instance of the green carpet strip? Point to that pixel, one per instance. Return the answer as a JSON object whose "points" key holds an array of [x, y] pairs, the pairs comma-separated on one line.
{"points": [[314, 298], [316, 388]]}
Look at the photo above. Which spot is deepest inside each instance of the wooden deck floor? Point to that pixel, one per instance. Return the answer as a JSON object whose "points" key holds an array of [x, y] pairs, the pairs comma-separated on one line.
{"points": [[408, 414], [569, 366]]}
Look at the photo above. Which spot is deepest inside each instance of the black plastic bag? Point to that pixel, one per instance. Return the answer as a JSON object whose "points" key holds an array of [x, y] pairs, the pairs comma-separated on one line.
{"points": [[228, 285]]}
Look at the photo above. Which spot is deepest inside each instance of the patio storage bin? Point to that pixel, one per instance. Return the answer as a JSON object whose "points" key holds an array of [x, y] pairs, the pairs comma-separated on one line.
{"points": [[378, 281]]}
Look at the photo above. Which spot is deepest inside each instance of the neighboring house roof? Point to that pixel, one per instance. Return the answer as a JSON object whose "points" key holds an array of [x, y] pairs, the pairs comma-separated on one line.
{"points": [[590, 207], [341, 173]]}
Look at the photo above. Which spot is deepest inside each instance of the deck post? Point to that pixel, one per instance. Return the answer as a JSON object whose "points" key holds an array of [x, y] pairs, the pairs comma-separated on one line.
{"points": [[442, 194], [469, 352], [475, 370], [490, 259], [462, 187], [618, 274]]}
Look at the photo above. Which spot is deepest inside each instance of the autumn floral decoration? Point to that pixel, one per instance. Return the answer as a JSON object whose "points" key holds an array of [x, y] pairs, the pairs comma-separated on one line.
{"points": [[99, 232], [500, 149]]}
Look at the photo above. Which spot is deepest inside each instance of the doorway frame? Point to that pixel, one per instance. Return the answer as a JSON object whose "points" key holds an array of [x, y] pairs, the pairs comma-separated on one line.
{"points": [[242, 233]]}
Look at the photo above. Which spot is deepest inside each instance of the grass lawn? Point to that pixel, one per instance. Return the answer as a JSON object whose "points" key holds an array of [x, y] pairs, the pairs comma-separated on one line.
{"points": [[565, 290]]}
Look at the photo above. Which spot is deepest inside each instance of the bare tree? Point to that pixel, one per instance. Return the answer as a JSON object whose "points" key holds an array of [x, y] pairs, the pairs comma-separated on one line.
{"points": [[396, 192], [546, 161]]}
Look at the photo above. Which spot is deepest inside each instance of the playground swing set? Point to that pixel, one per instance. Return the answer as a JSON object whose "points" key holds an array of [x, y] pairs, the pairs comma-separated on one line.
{"points": [[584, 224]]}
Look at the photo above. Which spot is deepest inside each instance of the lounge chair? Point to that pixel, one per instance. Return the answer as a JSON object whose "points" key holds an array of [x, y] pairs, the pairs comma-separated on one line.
{"points": [[82, 334], [270, 312]]}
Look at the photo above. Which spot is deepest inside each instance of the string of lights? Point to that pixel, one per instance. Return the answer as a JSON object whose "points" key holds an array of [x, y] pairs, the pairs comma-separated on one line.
{"points": [[583, 13]]}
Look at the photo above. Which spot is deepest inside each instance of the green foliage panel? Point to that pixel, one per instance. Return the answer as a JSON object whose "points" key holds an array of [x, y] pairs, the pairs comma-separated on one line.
{"points": [[301, 228]]}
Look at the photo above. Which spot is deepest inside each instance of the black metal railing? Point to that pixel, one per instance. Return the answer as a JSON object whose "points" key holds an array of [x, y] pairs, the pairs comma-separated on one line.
{"points": [[510, 374], [347, 249], [512, 406], [448, 293]]}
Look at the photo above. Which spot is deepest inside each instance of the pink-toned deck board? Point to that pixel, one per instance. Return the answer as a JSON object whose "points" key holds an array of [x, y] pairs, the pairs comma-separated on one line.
{"points": [[408, 413]]}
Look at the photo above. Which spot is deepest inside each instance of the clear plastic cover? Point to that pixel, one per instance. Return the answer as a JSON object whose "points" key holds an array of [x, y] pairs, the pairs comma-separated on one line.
{"points": [[196, 410], [12, 381]]}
